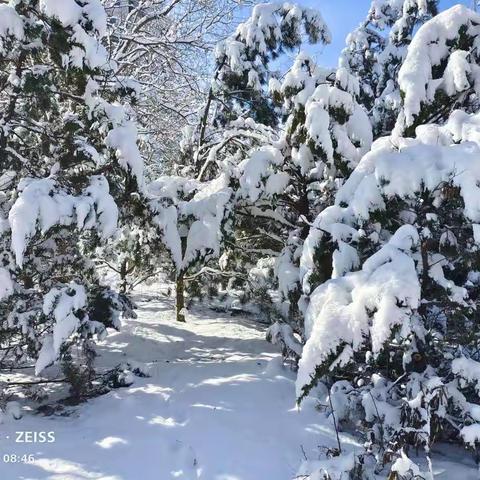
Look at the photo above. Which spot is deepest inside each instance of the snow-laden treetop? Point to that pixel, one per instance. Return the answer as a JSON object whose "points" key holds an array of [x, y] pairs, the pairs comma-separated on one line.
{"points": [[272, 28]]}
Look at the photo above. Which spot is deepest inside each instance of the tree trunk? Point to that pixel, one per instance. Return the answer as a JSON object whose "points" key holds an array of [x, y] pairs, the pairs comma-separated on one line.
{"points": [[204, 119], [180, 298], [180, 287], [123, 277]]}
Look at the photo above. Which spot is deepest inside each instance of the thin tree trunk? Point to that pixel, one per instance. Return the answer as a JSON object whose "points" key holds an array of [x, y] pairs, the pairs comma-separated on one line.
{"points": [[180, 287], [180, 298], [123, 276], [204, 119]]}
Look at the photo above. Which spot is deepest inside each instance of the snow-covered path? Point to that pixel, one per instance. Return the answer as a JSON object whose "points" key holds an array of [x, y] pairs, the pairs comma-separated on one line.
{"points": [[218, 406]]}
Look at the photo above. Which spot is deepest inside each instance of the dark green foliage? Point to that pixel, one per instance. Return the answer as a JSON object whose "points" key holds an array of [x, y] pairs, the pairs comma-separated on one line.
{"points": [[56, 124]]}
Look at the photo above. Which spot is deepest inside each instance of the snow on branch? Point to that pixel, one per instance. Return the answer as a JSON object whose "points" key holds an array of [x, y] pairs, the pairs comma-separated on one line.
{"points": [[41, 205], [339, 317], [441, 57], [271, 28]]}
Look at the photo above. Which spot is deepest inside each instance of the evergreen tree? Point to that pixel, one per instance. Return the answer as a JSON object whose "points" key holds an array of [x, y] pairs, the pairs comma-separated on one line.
{"points": [[286, 186], [243, 64], [390, 335], [70, 173], [193, 219]]}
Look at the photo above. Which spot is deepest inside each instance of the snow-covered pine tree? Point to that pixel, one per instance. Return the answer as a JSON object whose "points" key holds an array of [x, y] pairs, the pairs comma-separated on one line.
{"points": [[193, 218], [70, 170], [359, 58], [375, 52], [285, 186], [395, 339], [243, 64], [239, 90]]}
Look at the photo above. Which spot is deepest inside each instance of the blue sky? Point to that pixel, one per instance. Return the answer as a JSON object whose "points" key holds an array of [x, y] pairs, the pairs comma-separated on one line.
{"points": [[342, 16]]}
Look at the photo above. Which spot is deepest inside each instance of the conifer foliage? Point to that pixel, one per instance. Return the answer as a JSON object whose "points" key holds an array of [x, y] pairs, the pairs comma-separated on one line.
{"points": [[345, 201], [388, 335], [243, 61], [69, 169], [194, 214], [375, 51]]}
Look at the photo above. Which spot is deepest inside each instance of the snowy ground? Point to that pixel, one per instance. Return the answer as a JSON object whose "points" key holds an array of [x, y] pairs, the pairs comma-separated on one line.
{"points": [[218, 406]]}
